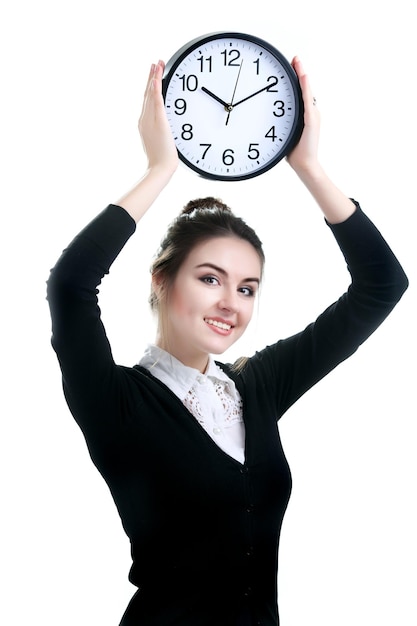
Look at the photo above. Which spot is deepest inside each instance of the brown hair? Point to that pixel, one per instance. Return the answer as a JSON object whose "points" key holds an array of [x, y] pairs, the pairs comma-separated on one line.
{"points": [[200, 220]]}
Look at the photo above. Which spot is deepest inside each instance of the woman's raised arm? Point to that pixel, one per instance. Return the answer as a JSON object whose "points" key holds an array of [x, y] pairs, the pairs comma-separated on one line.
{"points": [[159, 147], [336, 206]]}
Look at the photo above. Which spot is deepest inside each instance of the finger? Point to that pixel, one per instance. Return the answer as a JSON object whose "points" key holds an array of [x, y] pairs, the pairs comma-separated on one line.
{"points": [[147, 95], [308, 99], [150, 78], [154, 84], [303, 79], [298, 66], [158, 73], [158, 101]]}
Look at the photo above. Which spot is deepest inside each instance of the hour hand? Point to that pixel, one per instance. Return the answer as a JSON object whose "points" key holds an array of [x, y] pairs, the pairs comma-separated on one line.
{"points": [[227, 107]]}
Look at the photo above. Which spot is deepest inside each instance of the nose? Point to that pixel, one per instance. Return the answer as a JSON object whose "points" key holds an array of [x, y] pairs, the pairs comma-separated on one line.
{"points": [[229, 302]]}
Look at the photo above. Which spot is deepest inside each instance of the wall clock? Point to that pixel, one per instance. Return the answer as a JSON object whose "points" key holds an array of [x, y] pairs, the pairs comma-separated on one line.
{"points": [[234, 105]]}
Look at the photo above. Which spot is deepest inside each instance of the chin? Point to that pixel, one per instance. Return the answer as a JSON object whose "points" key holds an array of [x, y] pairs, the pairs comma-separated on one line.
{"points": [[221, 349]]}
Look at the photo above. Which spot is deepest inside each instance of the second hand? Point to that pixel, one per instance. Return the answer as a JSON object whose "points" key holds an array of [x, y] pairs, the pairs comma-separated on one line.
{"points": [[234, 91]]}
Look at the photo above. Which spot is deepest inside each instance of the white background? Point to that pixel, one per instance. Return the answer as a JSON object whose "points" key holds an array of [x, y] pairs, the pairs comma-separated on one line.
{"points": [[72, 79]]}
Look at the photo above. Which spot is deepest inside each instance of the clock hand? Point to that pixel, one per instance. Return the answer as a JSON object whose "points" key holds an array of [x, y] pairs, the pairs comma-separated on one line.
{"points": [[234, 91], [252, 94], [237, 80], [213, 95]]}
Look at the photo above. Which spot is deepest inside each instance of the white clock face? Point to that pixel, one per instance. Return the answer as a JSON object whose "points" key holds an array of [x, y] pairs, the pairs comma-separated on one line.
{"points": [[233, 106]]}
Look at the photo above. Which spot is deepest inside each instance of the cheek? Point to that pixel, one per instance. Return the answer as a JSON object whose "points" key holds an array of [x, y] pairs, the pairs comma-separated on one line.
{"points": [[177, 306], [247, 312], [183, 303]]}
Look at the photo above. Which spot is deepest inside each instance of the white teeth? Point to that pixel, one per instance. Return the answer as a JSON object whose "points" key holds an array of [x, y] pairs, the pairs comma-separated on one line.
{"points": [[219, 324]]}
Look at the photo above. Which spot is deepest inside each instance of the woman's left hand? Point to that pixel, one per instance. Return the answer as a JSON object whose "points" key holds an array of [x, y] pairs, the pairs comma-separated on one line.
{"points": [[304, 157], [336, 206]]}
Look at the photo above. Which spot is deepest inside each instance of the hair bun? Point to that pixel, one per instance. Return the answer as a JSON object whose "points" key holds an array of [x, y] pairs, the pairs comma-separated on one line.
{"points": [[204, 203]]}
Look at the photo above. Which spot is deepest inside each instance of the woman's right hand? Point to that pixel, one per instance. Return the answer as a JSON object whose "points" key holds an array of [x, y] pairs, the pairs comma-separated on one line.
{"points": [[159, 147], [154, 129]]}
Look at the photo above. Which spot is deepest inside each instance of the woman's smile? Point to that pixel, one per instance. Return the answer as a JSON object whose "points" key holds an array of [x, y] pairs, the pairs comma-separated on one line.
{"points": [[219, 326]]}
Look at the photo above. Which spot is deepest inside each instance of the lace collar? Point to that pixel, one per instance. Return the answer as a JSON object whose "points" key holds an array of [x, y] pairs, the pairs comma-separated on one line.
{"points": [[179, 377]]}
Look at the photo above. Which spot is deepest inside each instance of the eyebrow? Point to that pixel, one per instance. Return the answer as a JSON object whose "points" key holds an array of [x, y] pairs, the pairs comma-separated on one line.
{"points": [[224, 273]]}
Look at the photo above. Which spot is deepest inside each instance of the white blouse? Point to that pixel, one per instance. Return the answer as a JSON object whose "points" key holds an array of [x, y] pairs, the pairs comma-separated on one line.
{"points": [[212, 397]]}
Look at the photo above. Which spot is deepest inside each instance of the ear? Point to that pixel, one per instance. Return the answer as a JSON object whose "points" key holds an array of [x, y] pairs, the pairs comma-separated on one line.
{"points": [[157, 285]]}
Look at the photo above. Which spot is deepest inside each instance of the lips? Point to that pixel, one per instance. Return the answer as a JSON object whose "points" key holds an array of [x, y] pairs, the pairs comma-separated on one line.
{"points": [[219, 324]]}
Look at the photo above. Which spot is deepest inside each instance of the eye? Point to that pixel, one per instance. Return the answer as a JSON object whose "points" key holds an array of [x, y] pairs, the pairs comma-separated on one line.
{"points": [[209, 280], [247, 291]]}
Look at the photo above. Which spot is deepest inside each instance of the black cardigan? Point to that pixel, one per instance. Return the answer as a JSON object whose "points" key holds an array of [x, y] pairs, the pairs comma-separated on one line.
{"points": [[204, 529]]}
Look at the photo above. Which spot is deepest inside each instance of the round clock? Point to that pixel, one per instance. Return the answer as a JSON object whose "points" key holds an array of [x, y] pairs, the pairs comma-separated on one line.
{"points": [[234, 105]]}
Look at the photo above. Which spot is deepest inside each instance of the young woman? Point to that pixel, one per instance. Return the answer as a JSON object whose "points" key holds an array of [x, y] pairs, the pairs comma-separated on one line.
{"points": [[189, 446]]}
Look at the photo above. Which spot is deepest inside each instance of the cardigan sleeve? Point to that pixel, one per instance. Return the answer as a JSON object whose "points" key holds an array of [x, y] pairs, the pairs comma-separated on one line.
{"points": [[293, 365], [79, 339]]}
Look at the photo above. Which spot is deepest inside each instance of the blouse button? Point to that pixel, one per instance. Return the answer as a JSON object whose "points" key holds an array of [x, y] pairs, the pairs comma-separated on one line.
{"points": [[217, 431]]}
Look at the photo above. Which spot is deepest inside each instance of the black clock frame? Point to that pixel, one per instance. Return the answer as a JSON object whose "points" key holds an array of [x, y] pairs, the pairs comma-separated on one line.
{"points": [[298, 126]]}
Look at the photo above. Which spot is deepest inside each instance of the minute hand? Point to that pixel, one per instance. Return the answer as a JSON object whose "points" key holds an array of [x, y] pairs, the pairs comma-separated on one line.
{"points": [[252, 95]]}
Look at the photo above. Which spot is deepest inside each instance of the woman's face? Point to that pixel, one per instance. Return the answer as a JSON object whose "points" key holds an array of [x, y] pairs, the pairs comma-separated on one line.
{"points": [[211, 300]]}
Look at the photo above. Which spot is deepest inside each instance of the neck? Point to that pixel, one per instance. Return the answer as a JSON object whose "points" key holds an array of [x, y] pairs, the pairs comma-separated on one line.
{"points": [[196, 360]]}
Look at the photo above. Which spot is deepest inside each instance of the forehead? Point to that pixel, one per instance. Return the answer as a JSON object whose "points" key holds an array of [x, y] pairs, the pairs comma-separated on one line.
{"points": [[232, 254]]}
